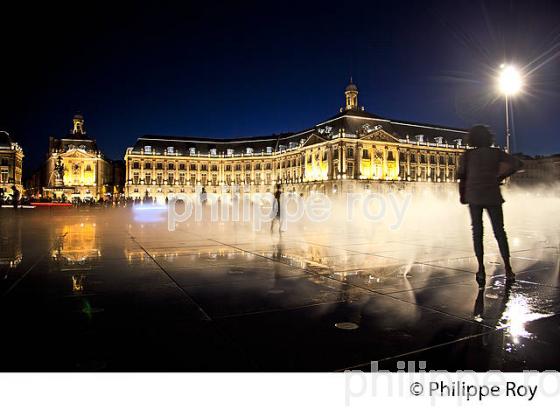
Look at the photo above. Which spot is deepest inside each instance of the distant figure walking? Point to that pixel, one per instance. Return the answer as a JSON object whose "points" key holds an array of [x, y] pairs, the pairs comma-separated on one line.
{"points": [[276, 209], [15, 196], [203, 196], [481, 172]]}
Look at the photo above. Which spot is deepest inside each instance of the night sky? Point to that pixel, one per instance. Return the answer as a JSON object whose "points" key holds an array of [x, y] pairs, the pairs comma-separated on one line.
{"points": [[241, 69]]}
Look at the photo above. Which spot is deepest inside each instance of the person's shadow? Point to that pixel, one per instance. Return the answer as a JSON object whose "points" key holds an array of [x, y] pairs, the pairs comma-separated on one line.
{"points": [[479, 303], [484, 352]]}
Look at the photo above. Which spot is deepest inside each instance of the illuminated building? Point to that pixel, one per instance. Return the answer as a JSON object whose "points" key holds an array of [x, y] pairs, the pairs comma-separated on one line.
{"points": [[536, 170], [11, 164], [350, 151], [75, 168]]}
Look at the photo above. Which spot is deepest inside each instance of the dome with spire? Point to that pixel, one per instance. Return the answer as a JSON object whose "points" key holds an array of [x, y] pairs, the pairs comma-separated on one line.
{"points": [[351, 93], [351, 86]]}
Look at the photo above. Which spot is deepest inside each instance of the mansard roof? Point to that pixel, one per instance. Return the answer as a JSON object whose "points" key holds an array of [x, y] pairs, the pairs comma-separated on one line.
{"points": [[5, 140], [355, 122], [348, 123], [203, 145], [70, 142]]}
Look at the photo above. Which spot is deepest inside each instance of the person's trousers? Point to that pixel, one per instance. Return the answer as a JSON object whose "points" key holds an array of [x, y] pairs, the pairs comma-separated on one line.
{"points": [[497, 218]]}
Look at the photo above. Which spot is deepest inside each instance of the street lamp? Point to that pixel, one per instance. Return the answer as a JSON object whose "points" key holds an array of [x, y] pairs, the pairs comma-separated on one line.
{"points": [[510, 82]]}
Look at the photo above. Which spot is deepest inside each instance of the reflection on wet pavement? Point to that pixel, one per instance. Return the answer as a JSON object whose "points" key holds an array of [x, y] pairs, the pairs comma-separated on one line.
{"points": [[98, 291]]}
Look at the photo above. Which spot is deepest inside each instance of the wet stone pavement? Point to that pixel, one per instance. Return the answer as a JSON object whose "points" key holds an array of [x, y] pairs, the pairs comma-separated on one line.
{"points": [[106, 290]]}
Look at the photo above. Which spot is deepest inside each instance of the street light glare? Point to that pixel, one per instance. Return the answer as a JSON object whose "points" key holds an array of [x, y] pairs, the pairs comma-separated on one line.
{"points": [[509, 81]]}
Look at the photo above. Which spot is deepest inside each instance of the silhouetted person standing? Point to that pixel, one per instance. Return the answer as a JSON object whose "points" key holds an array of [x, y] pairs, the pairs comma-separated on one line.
{"points": [[481, 172], [15, 196], [276, 209], [203, 196]]}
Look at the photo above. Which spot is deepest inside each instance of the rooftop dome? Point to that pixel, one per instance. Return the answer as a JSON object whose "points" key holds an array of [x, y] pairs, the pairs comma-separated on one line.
{"points": [[351, 86], [5, 138]]}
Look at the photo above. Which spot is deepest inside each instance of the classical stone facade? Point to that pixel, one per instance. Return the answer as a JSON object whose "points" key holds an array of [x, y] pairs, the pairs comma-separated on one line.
{"points": [[75, 167], [538, 170], [11, 165], [350, 151]]}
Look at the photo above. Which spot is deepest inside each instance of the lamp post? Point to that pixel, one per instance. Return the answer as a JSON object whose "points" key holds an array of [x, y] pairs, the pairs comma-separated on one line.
{"points": [[509, 84]]}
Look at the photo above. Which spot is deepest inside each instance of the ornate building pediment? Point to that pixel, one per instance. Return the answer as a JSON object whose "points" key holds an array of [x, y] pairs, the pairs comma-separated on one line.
{"points": [[78, 154], [379, 135], [314, 139]]}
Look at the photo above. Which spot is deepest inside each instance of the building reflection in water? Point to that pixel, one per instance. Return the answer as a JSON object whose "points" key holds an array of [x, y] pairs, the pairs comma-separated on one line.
{"points": [[78, 282], [11, 253], [76, 247], [75, 251]]}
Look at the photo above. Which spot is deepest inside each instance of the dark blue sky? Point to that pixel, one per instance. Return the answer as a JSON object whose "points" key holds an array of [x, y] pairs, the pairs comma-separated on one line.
{"points": [[239, 68]]}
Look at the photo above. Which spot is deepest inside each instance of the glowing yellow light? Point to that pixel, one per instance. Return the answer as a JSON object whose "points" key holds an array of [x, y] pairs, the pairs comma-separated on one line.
{"points": [[519, 312], [510, 80]]}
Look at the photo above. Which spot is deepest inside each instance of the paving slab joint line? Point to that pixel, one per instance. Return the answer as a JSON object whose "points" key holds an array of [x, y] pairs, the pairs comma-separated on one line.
{"points": [[189, 297], [18, 280], [424, 349], [360, 287]]}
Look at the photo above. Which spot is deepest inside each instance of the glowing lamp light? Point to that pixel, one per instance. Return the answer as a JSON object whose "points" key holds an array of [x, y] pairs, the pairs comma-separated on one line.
{"points": [[510, 81]]}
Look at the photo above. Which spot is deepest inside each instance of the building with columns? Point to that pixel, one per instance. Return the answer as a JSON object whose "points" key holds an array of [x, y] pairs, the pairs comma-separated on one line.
{"points": [[75, 167], [353, 150], [11, 165]]}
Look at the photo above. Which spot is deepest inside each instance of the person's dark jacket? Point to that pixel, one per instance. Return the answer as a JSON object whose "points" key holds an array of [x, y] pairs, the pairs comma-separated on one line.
{"points": [[481, 172]]}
